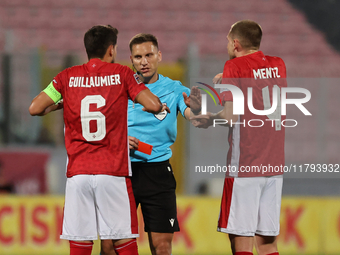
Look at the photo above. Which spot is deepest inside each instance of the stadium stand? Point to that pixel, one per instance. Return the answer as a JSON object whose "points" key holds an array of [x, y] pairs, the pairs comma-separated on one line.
{"points": [[287, 32]]}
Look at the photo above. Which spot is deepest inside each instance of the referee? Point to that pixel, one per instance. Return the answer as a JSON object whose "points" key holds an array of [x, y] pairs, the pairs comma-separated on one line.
{"points": [[153, 181]]}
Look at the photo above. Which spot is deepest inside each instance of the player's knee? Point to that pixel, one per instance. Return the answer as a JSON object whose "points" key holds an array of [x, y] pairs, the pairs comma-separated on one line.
{"points": [[107, 247], [267, 246], [266, 250], [163, 248]]}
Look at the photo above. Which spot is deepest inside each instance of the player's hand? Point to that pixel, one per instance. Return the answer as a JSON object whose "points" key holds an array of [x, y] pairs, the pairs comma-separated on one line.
{"points": [[194, 100], [164, 108], [218, 78], [54, 107], [60, 104], [202, 121], [133, 143]]}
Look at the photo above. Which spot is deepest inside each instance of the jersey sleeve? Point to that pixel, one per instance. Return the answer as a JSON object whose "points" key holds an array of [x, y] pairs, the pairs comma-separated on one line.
{"points": [[54, 89], [133, 83], [53, 93], [230, 76], [181, 106]]}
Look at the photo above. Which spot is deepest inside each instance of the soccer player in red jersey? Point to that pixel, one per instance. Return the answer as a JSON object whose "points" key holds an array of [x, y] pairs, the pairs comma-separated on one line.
{"points": [[99, 197], [251, 200]]}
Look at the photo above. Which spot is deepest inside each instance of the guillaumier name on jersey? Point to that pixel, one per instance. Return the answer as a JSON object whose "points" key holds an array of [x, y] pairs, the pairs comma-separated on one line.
{"points": [[94, 81], [266, 73]]}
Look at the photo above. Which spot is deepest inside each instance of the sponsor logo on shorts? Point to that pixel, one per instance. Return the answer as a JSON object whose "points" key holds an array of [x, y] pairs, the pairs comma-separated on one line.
{"points": [[172, 221]]}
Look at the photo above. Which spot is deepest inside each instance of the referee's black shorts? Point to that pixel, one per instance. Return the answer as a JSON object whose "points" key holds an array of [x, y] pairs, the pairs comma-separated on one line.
{"points": [[154, 188]]}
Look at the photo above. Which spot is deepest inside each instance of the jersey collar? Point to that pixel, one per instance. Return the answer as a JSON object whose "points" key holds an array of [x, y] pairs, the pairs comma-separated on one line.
{"points": [[94, 64]]}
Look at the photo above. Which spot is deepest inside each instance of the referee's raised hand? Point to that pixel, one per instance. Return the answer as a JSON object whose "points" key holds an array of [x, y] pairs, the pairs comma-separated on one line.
{"points": [[194, 100]]}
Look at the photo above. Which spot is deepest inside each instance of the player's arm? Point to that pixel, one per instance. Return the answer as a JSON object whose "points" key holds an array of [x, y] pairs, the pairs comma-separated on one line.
{"points": [[187, 113], [195, 95], [150, 102], [218, 78], [42, 104], [226, 113], [45, 102], [205, 121]]}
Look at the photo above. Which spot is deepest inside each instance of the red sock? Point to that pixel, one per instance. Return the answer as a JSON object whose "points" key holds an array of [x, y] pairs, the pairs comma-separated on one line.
{"points": [[128, 248], [243, 253], [80, 248], [274, 253]]}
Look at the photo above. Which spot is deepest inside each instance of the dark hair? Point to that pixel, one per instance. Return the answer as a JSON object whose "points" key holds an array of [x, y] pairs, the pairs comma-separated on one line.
{"points": [[98, 38], [248, 32], [142, 38]]}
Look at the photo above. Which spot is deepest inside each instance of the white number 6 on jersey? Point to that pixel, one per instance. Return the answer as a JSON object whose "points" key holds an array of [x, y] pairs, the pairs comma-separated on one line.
{"points": [[86, 116]]}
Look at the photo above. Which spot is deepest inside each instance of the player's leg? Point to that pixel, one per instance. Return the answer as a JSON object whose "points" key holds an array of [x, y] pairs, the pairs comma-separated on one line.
{"points": [[79, 221], [126, 246], [81, 247], [116, 215], [266, 245], [269, 216], [107, 247], [158, 203], [239, 212], [241, 244], [160, 243]]}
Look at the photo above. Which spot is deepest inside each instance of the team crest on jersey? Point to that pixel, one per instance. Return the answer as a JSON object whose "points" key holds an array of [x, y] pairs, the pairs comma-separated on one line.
{"points": [[137, 78], [161, 116]]}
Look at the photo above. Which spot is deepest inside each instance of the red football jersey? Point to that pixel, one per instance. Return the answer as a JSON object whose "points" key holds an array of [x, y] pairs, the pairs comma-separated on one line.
{"points": [[256, 151], [95, 113]]}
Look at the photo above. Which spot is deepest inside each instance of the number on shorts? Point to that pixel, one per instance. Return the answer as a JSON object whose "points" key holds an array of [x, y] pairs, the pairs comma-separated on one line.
{"points": [[276, 115], [86, 116]]}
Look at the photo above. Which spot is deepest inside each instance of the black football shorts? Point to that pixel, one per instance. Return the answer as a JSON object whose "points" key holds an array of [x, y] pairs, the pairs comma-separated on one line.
{"points": [[154, 188]]}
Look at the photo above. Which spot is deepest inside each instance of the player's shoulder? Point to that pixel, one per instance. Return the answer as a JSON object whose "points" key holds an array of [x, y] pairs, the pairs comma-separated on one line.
{"points": [[123, 70], [277, 62], [120, 66], [233, 68], [274, 59], [234, 63], [117, 67], [72, 69]]}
